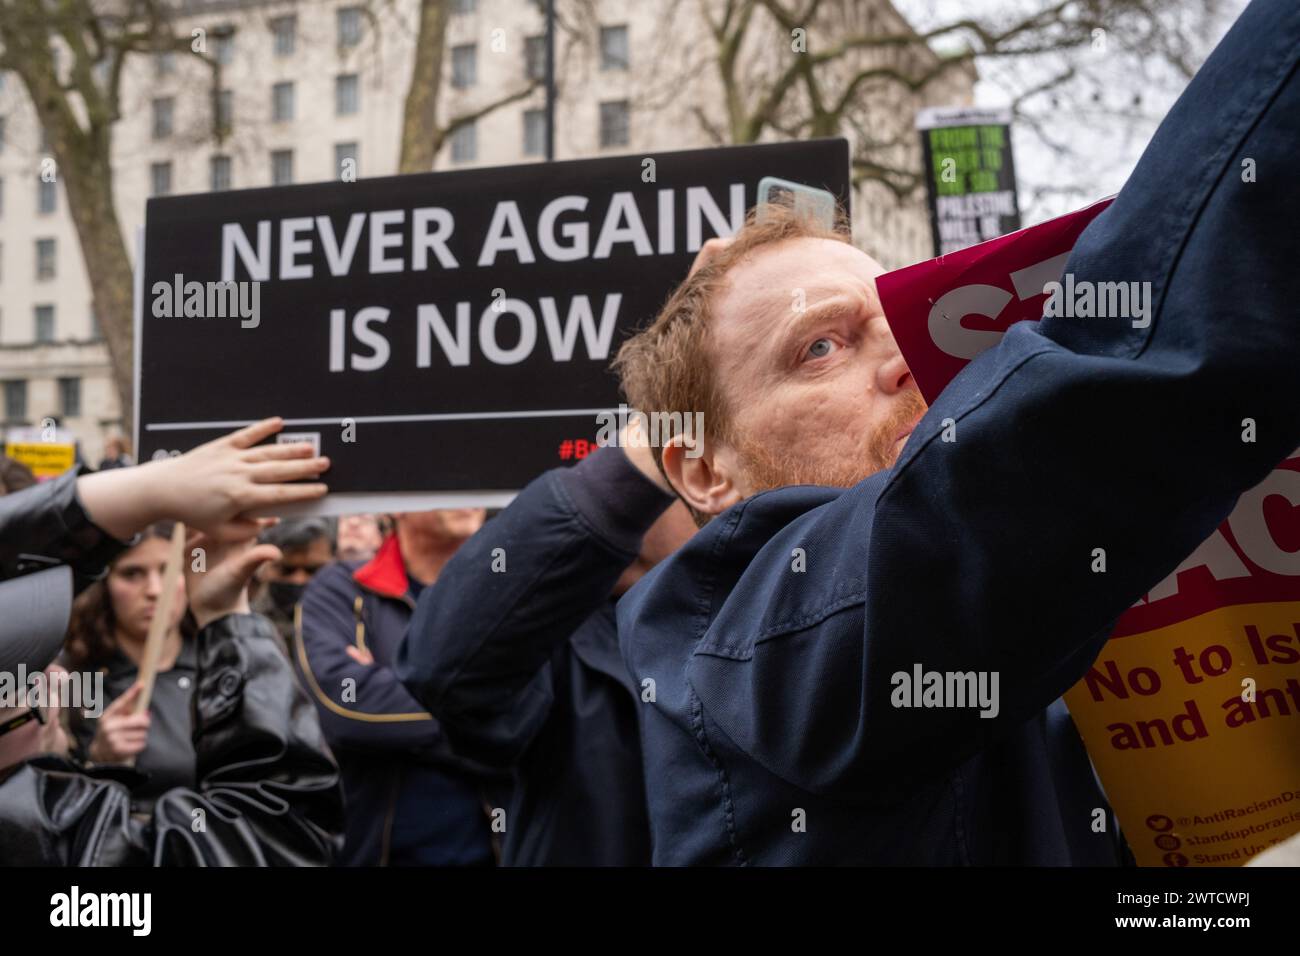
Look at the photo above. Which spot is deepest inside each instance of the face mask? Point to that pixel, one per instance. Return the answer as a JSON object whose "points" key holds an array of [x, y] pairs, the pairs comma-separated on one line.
{"points": [[284, 595]]}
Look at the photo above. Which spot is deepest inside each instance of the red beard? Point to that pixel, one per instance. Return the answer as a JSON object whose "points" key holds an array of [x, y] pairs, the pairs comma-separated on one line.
{"points": [[766, 468]]}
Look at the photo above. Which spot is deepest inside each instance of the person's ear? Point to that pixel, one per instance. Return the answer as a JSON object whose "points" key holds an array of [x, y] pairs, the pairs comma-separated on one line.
{"points": [[704, 479]]}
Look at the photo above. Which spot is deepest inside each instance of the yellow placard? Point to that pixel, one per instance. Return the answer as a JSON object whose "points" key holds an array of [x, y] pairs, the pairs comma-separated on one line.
{"points": [[45, 459], [1194, 729]]}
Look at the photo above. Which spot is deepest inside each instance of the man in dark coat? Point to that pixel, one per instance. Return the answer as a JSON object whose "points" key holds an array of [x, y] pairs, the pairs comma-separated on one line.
{"points": [[852, 542], [515, 651]]}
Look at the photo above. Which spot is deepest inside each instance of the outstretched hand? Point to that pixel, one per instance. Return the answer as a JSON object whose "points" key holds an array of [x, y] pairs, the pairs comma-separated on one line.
{"points": [[211, 488]]}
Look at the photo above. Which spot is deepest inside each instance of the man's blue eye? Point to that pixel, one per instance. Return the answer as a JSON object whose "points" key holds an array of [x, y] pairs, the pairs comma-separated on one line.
{"points": [[820, 348]]}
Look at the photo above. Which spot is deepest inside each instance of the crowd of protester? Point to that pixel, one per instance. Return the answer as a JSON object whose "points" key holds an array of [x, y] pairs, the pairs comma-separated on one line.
{"points": [[681, 654], [529, 757]]}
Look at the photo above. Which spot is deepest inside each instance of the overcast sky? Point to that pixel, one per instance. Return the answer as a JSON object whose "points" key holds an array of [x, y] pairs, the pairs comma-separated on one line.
{"points": [[1097, 115]]}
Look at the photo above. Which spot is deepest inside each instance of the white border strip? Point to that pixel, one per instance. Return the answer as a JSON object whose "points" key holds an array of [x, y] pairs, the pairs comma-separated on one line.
{"points": [[137, 320], [386, 419], [360, 502]]}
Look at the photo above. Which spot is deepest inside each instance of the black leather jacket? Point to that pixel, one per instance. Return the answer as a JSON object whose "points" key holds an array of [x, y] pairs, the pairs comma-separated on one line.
{"points": [[268, 790], [168, 760]]}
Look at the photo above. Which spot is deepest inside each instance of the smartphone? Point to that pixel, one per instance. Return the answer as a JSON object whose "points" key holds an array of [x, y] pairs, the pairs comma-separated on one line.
{"points": [[806, 200]]}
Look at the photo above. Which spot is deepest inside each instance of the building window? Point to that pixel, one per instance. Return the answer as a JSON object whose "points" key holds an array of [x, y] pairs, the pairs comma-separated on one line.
{"points": [[164, 63], [2, 195], [343, 152], [96, 333], [462, 6], [47, 195], [349, 26], [464, 144], [613, 48], [347, 94], [160, 179], [2, 134], [70, 397], [464, 66], [535, 58], [163, 112], [225, 107], [281, 167], [282, 102], [44, 323], [534, 132], [16, 400], [285, 30], [225, 46], [219, 173], [613, 124], [45, 259]]}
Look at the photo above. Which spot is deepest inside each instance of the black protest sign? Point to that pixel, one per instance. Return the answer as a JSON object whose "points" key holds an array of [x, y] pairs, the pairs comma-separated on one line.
{"points": [[970, 177], [443, 334]]}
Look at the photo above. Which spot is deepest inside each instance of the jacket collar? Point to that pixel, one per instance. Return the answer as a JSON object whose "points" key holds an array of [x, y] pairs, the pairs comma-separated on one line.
{"points": [[120, 666], [385, 573]]}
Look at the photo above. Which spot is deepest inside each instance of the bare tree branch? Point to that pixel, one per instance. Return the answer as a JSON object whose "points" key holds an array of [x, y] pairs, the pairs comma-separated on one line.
{"points": [[464, 119]]}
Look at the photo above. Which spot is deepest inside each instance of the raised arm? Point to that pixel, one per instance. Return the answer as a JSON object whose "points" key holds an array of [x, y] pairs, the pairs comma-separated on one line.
{"points": [[268, 791], [476, 651], [84, 520], [1073, 441]]}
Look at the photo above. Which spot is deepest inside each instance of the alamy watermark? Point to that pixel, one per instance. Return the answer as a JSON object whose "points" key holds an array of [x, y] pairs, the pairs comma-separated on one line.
{"points": [[1099, 300], [133, 911], [654, 429], [209, 300], [947, 689], [76, 689]]}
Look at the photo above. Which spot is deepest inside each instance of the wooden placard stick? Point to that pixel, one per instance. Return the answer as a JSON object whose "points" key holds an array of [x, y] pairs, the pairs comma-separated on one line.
{"points": [[153, 644]]}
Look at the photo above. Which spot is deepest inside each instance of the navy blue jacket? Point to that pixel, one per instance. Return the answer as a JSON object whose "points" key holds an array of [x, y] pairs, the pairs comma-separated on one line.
{"points": [[521, 666], [773, 708], [409, 799]]}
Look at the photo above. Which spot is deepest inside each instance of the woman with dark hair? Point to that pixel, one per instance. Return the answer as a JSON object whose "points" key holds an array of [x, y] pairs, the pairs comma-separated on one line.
{"points": [[268, 790], [108, 629]]}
